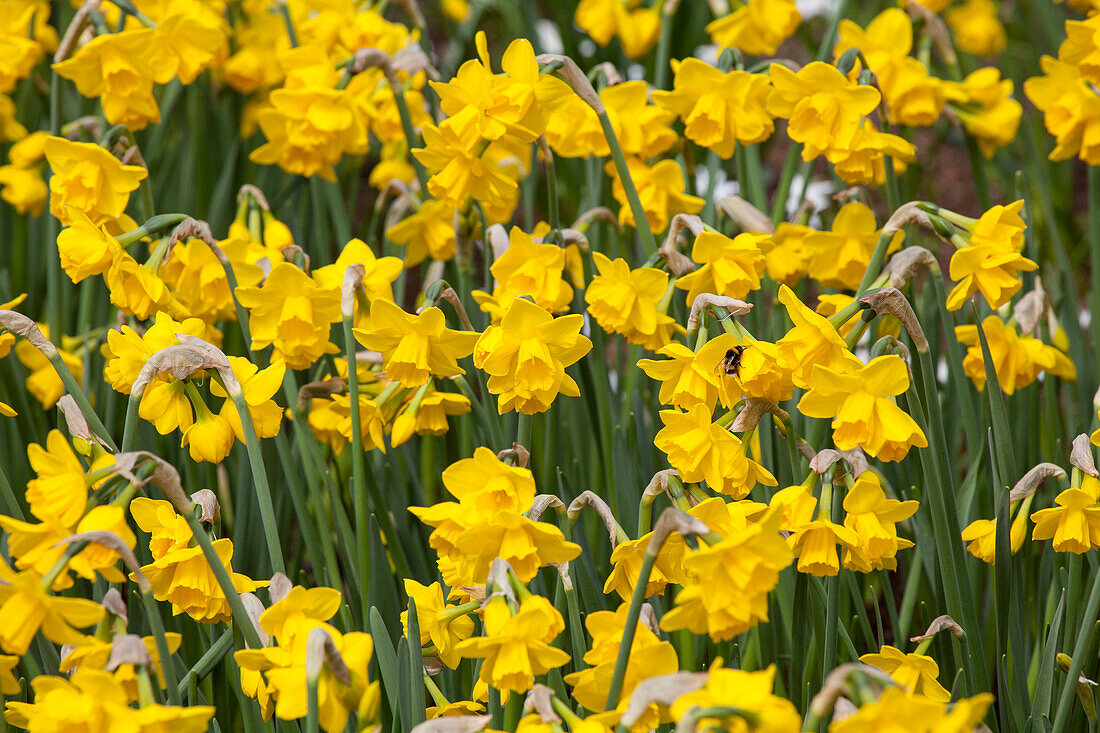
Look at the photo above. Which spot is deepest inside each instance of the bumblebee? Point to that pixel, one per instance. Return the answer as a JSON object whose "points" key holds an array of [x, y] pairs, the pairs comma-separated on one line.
{"points": [[731, 363]]}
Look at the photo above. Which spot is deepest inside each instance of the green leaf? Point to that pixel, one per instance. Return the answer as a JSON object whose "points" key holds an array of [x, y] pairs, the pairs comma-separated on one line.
{"points": [[386, 658]]}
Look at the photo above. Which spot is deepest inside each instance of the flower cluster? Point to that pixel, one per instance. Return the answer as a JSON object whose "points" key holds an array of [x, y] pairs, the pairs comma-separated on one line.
{"points": [[596, 380]]}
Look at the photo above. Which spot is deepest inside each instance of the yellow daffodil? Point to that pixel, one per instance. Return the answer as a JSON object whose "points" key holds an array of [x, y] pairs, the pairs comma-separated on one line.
{"points": [[1018, 358], [453, 153], [660, 189], [526, 355], [981, 537], [917, 673], [43, 382], [94, 653], [626, 564], [984, 104], [824, 107], [731, 579], [293, 312], [839, 257], [515, 646], [1071, 110], [977, 28], [93, 699], [198, 280], [873, 518], [649, 657], [89, 179], [719, 109], [527, 268], [85, 248], [897, 709], [120, 69], [179, 573], [428, 232], [730, 267], [629, 301], [642, 129], [29, 608], [787, 261], [757, 27], [812, 342], [859, 399], [1073, 523], [37, 545], [704, 451], [310, 125], [751, 692], [991, 259], [690, 377], [23, 186], [516, 102], [439, 624]]}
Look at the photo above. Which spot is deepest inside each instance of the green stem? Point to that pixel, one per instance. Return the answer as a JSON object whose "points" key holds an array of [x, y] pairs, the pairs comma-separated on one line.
{"points": [[208, 661], [874, 266], [576, 636], [615, 690], [783, 190], [236, 607], [129, 429], [156, 623], [513, 711], [1080, 650], [11, 503], [524, 424], [358, 478], [81, 399], [412, 140], [649, 244], [1094, 254], [263, 489]]}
